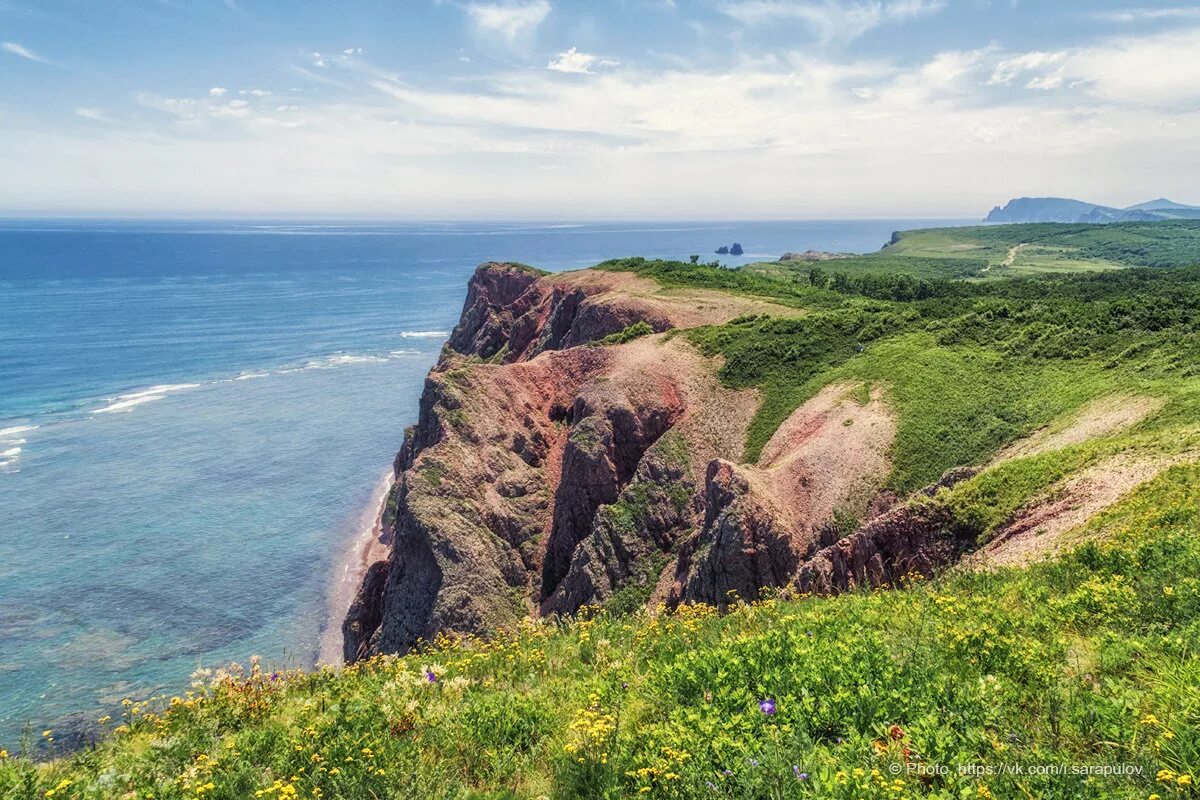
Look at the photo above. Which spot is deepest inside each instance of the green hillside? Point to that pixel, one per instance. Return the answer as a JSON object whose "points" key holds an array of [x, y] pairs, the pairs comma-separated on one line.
{"points": [[992, 251]]}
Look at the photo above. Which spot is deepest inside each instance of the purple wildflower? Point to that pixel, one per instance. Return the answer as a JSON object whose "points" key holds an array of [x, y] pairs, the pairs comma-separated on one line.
{"points": [[728, 773], [767, 706], [800, 776], [429, 676], [274, 676]]}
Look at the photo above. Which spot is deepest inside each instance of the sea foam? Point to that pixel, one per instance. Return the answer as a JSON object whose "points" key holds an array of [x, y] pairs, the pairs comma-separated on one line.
{"points": [[125, 402]]}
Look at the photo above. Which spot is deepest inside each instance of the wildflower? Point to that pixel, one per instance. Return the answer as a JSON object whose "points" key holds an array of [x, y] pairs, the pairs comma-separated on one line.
{"points": [[430, 677], [1184, 780], [274, 676], [896, 732], [767, 706], [728, 773], [800, 776], [3, 754]]}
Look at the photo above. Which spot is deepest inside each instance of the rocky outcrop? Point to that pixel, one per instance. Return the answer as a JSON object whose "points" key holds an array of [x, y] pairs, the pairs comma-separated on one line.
{"points": [[917, 538], [913, 539], [522, 436], [364, 616], [744, 546], [630, 539], [606, 444], [501, 312], [513, 312]]}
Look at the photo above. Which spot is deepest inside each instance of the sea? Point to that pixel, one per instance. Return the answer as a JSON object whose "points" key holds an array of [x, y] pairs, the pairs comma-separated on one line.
{"points": [[196, 418]]}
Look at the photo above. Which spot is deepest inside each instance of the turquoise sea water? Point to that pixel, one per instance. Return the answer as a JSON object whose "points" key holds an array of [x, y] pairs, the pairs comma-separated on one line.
{"points": [[194, 417]]}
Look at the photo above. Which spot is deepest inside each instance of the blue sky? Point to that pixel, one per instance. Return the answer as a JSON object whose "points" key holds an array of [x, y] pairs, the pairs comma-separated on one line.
{"points": [[564, 109]]}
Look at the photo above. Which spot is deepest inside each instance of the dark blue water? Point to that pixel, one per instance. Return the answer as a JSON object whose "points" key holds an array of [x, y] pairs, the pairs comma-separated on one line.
{"points": [[194, 417]]}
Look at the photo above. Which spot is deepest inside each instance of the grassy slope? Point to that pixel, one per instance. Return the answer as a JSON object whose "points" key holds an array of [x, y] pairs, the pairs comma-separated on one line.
{"points": [[1088, 660], [982, 250]]}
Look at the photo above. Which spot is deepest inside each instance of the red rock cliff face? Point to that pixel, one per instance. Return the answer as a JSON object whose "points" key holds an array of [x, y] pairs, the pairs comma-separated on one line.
{"points": [[543, 475], [520, 439]]}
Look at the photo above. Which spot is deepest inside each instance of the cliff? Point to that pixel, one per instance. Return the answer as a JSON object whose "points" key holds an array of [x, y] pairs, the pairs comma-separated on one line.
{"points": [[551, 469]]}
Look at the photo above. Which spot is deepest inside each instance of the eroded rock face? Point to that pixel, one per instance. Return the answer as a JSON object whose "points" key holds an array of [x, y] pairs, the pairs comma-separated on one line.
{"points": [[605, 446], [500, 478], [743, 546], [918, 538], [629, 541]]}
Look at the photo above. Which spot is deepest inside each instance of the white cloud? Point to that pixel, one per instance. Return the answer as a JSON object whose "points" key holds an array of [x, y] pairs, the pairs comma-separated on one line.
{"points": [[24, 52], [1156, 69], [509, 20], [1054, 80], [94, 114], [1009, 69], [1153, 69], [1126, 15], [216, 91], [831, 20], [254, 92], [575, 61]]}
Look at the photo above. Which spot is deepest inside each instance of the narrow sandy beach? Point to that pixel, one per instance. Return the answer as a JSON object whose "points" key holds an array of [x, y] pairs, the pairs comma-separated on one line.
{"points": [[363, 551]]}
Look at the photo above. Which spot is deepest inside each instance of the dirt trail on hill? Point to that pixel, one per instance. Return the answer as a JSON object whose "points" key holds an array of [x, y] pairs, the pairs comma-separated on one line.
{"points": [[1099, 418], [1037, 530]]}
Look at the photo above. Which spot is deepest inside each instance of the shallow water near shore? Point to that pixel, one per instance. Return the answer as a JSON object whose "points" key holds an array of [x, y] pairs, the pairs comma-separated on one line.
{"points": [[195, 418]]}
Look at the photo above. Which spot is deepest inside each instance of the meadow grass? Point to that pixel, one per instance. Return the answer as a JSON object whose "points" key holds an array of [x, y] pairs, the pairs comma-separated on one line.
{"points": [[1087, 660]]}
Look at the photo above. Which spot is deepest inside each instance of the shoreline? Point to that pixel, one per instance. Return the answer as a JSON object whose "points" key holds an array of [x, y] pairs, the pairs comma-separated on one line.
{"points": [[363, 550]]}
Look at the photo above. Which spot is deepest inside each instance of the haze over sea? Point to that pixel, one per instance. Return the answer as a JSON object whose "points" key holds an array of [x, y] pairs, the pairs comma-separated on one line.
{"points": [[194, 417]]}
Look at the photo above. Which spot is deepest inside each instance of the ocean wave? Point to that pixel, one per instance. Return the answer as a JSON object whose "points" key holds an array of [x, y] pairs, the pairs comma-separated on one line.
{"points": [[246, 376], [125, 405], [339, 360], [124, 402], [423, 334], [6, 432], [9, 457], [11, 439]]}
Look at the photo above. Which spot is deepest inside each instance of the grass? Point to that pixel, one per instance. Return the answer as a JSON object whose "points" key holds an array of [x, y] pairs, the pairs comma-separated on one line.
{"points": [[1087, 660]]}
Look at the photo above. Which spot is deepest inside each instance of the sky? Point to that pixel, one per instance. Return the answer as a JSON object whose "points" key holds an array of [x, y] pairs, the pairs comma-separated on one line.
{"points": [[568, 109]]}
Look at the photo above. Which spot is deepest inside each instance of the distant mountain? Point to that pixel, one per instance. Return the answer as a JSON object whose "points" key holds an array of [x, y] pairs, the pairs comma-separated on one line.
{"points": [[1162, 204], [1061, 209]]}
